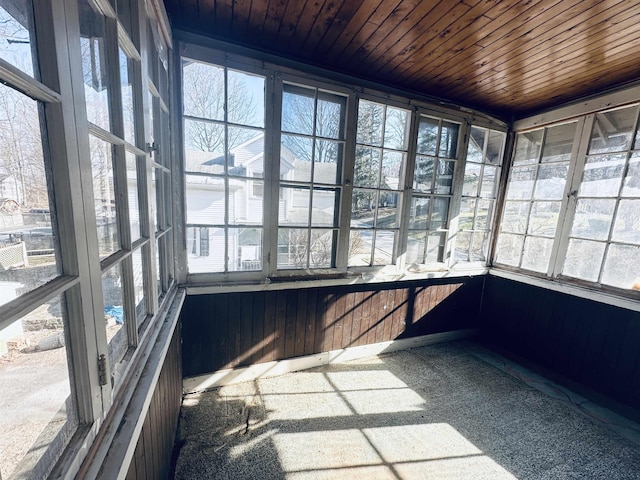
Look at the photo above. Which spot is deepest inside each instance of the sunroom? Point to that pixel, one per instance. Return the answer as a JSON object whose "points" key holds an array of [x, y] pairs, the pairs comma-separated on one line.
{"points": [[199, 194]]}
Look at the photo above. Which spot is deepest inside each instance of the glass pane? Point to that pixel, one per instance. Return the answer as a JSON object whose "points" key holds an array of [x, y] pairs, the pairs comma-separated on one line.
{"points": [[419, 213], [612, 131], [37, 411], [423, 174], [383, 252], [593, 218], [246, 148], [367, 167], [387, 210], [392, 168], [621, 266], [509, 249], [328, 161], [151, 127], [444, 177], [490, 180], [160, 243], [16, 25], [203, 90], [463, 244], [329, 117], [479, 246], [632, 179], [132, 195], [483, 214], [415, 247], [204, 146], [28, 239], [245, 98], [551, 181], [298, 110], [126, 85], [521, 181], [536, 254], [428, 136], [322, 248], [245, 249], [114, 316], [602, 176], [104, 196], [544, 218], [138, 286], [205, 249], [360, 243], [292, 248], [439, 213], [323, 213], [584, 259], [476, 144], [294, 206], [558, 143], [495, 147], [626, 228], [467, 212], [395, 130], [370, 117], [435, 247], [94, 65], [528, 146], [471, 179], [514, 217], [244, 207], [449, 140], [205, 200], [363, 208], [295, 158]]}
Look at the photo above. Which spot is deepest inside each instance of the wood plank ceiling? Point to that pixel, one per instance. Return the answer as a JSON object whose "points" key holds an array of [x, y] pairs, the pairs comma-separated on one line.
{"points": [[507, 57]]}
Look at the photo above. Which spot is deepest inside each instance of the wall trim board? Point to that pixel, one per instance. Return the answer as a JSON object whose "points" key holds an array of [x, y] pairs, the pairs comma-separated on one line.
{"points": [[569, 289], [220, 378]]}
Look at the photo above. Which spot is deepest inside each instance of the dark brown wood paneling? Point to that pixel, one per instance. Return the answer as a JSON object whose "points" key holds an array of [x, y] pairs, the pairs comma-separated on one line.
{"points": [[152, 456], [590, 343], [275, 325]]}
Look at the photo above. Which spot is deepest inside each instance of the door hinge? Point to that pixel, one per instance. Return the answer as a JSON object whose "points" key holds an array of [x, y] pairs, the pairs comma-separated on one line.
{"points": [[102, 369]]}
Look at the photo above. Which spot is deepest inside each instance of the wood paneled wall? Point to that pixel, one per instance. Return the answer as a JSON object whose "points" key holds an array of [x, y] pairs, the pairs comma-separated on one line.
{"points": [[587, 342], [237, 329], [152, 457]]}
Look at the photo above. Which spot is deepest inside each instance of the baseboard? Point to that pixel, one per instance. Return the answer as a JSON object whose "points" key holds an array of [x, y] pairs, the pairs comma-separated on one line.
{"points": [[271, 369]]}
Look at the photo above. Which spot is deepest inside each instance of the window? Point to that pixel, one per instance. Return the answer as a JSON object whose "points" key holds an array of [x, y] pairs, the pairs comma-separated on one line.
{"points": [[479, 192], [311, 162]]}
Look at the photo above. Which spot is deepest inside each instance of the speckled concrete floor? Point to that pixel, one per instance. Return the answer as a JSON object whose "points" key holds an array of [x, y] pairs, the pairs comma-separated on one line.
{"points": [[448, 411]]}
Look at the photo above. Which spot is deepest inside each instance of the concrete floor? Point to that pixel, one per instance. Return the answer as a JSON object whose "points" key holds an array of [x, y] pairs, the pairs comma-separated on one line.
{"points": [[448, 411]]}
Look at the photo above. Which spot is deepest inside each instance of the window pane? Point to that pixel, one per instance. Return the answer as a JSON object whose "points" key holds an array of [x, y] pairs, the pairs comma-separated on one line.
{"points": [[392, 163], [439, 213], [132, 194], [612, 131], [558, 143], [626, 228], [298, 110], [479, 246], [204, 146], [367, 167], [632, 179], [16, 25], [292, 248], [205, 249], [245, 249], [294, 206], [419, 213], [483, 214], [471, 179], [94, 65], [295, 158], [387, 210], [449, 140], [428, 136], [363, 208], [395, 131], [244, 208], [415, 247], [384, 247], [536, 254], [444, 177], [328, 162], [477, 140], [551, 181], [138, 286], [369, 123], [509, 249], [544, 218], [126, 85], [104, 196], [528, 146], [205, 200], [467, 212], [584, 259], [463, 243], [37, 409], [521, 181], [621, 266], [322, 248], [423, 174], [593, 218], [323, 213], [602, 176], [489, 182], [28, 239], [329, 117], [203, 90], [514, 217], [360, 247], [495, 147], [435, 247], [114, 317], [246, 148], [245, 99]]}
